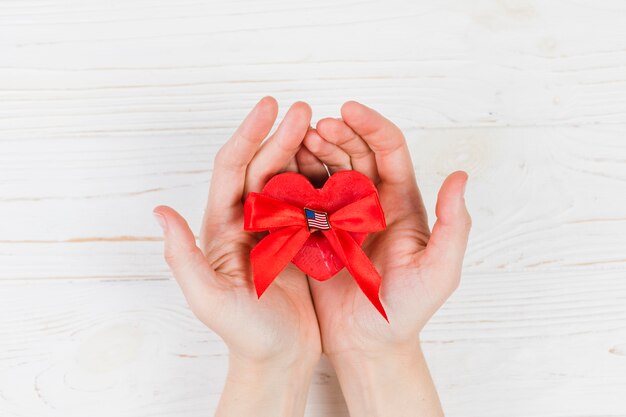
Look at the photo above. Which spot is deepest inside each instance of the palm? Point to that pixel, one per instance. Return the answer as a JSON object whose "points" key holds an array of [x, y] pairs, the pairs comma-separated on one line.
{"points": [[216, 277], [418, 272], [346, 316], [278, 318]]}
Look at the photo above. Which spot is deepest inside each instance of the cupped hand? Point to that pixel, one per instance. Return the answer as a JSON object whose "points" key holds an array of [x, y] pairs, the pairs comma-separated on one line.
{"points": [[419, 269], [216, 276]]}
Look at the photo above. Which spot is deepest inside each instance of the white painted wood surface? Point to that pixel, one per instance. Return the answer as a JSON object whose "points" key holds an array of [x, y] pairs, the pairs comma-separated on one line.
{"points": [[108, 108]]}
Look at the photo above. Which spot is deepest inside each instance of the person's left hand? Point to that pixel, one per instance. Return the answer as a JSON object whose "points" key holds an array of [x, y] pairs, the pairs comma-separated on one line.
{"points": [[274, 342]]}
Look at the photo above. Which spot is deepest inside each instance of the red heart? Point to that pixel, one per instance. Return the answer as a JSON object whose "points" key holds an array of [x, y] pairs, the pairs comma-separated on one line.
{"points": [[317, 259]]}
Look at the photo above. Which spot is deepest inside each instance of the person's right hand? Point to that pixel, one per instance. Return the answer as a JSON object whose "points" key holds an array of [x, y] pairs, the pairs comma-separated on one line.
{"points": [[376, 359]]}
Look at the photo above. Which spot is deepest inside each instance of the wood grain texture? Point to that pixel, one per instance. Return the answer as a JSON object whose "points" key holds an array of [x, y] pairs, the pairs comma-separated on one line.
{"points": [[110, 108], [507, 343]]}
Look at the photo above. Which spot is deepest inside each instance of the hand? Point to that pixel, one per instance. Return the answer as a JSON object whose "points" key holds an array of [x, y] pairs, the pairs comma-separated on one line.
{"points": [[274, 343], [419, 270]]}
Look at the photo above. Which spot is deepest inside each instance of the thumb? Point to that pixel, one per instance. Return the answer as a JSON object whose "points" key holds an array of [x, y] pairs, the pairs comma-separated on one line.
{"points": [[448, 240], [186, 261]]}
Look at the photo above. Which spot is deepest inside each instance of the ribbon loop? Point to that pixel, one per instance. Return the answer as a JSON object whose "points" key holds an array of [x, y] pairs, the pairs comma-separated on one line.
{"points": [[262, 212], [364, 215], [289, 231]]}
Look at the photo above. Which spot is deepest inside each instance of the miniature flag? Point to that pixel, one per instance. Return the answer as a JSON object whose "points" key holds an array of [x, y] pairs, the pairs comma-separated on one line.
{"points": [[316, 219]]}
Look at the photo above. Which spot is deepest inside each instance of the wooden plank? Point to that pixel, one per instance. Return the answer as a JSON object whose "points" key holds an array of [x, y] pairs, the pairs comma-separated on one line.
{"points": [[515, 344], [79, 69], [107, 110], [541, 198]]}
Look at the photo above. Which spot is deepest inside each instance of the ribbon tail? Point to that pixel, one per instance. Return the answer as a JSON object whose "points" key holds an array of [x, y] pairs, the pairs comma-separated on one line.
{"points": [[273, 253], [358, 264]]}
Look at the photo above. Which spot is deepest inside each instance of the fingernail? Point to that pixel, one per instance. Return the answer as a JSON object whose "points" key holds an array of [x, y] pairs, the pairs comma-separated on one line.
{"points": [[161, 220], [464, 186]]}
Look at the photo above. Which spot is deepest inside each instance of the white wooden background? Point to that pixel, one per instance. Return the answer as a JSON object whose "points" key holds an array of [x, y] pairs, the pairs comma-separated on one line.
{"points": [[108, 108]]}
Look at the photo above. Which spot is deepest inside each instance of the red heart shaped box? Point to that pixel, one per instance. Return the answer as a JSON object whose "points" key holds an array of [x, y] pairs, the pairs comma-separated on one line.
{"points": [[317, 258]]}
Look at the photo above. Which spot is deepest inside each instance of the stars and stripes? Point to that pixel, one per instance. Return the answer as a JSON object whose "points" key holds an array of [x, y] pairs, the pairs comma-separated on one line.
{"points": [[316, 220]]}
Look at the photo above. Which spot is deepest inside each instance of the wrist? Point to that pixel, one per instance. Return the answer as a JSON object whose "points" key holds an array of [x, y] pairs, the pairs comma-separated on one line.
{"points": [[266, 387], [394, 382], [283, 371]]}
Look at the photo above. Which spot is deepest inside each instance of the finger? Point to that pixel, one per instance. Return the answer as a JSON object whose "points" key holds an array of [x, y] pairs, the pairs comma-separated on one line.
{"points": [[311, 167], [361, 156], [385, 139], [231, 161], [191, 269], [447, 243], [292, 165], [331, 155], [275, 154]]}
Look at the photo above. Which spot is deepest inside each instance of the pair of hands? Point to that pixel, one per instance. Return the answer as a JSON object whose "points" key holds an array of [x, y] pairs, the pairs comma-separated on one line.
{"points": [[278, 339]]}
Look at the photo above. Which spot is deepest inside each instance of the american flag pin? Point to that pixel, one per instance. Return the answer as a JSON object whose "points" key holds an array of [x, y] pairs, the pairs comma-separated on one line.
{"points": [[316, 220]]}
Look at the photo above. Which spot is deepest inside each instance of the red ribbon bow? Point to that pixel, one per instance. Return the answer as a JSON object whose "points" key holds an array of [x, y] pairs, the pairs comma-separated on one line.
{"points": [[289, 231]]}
